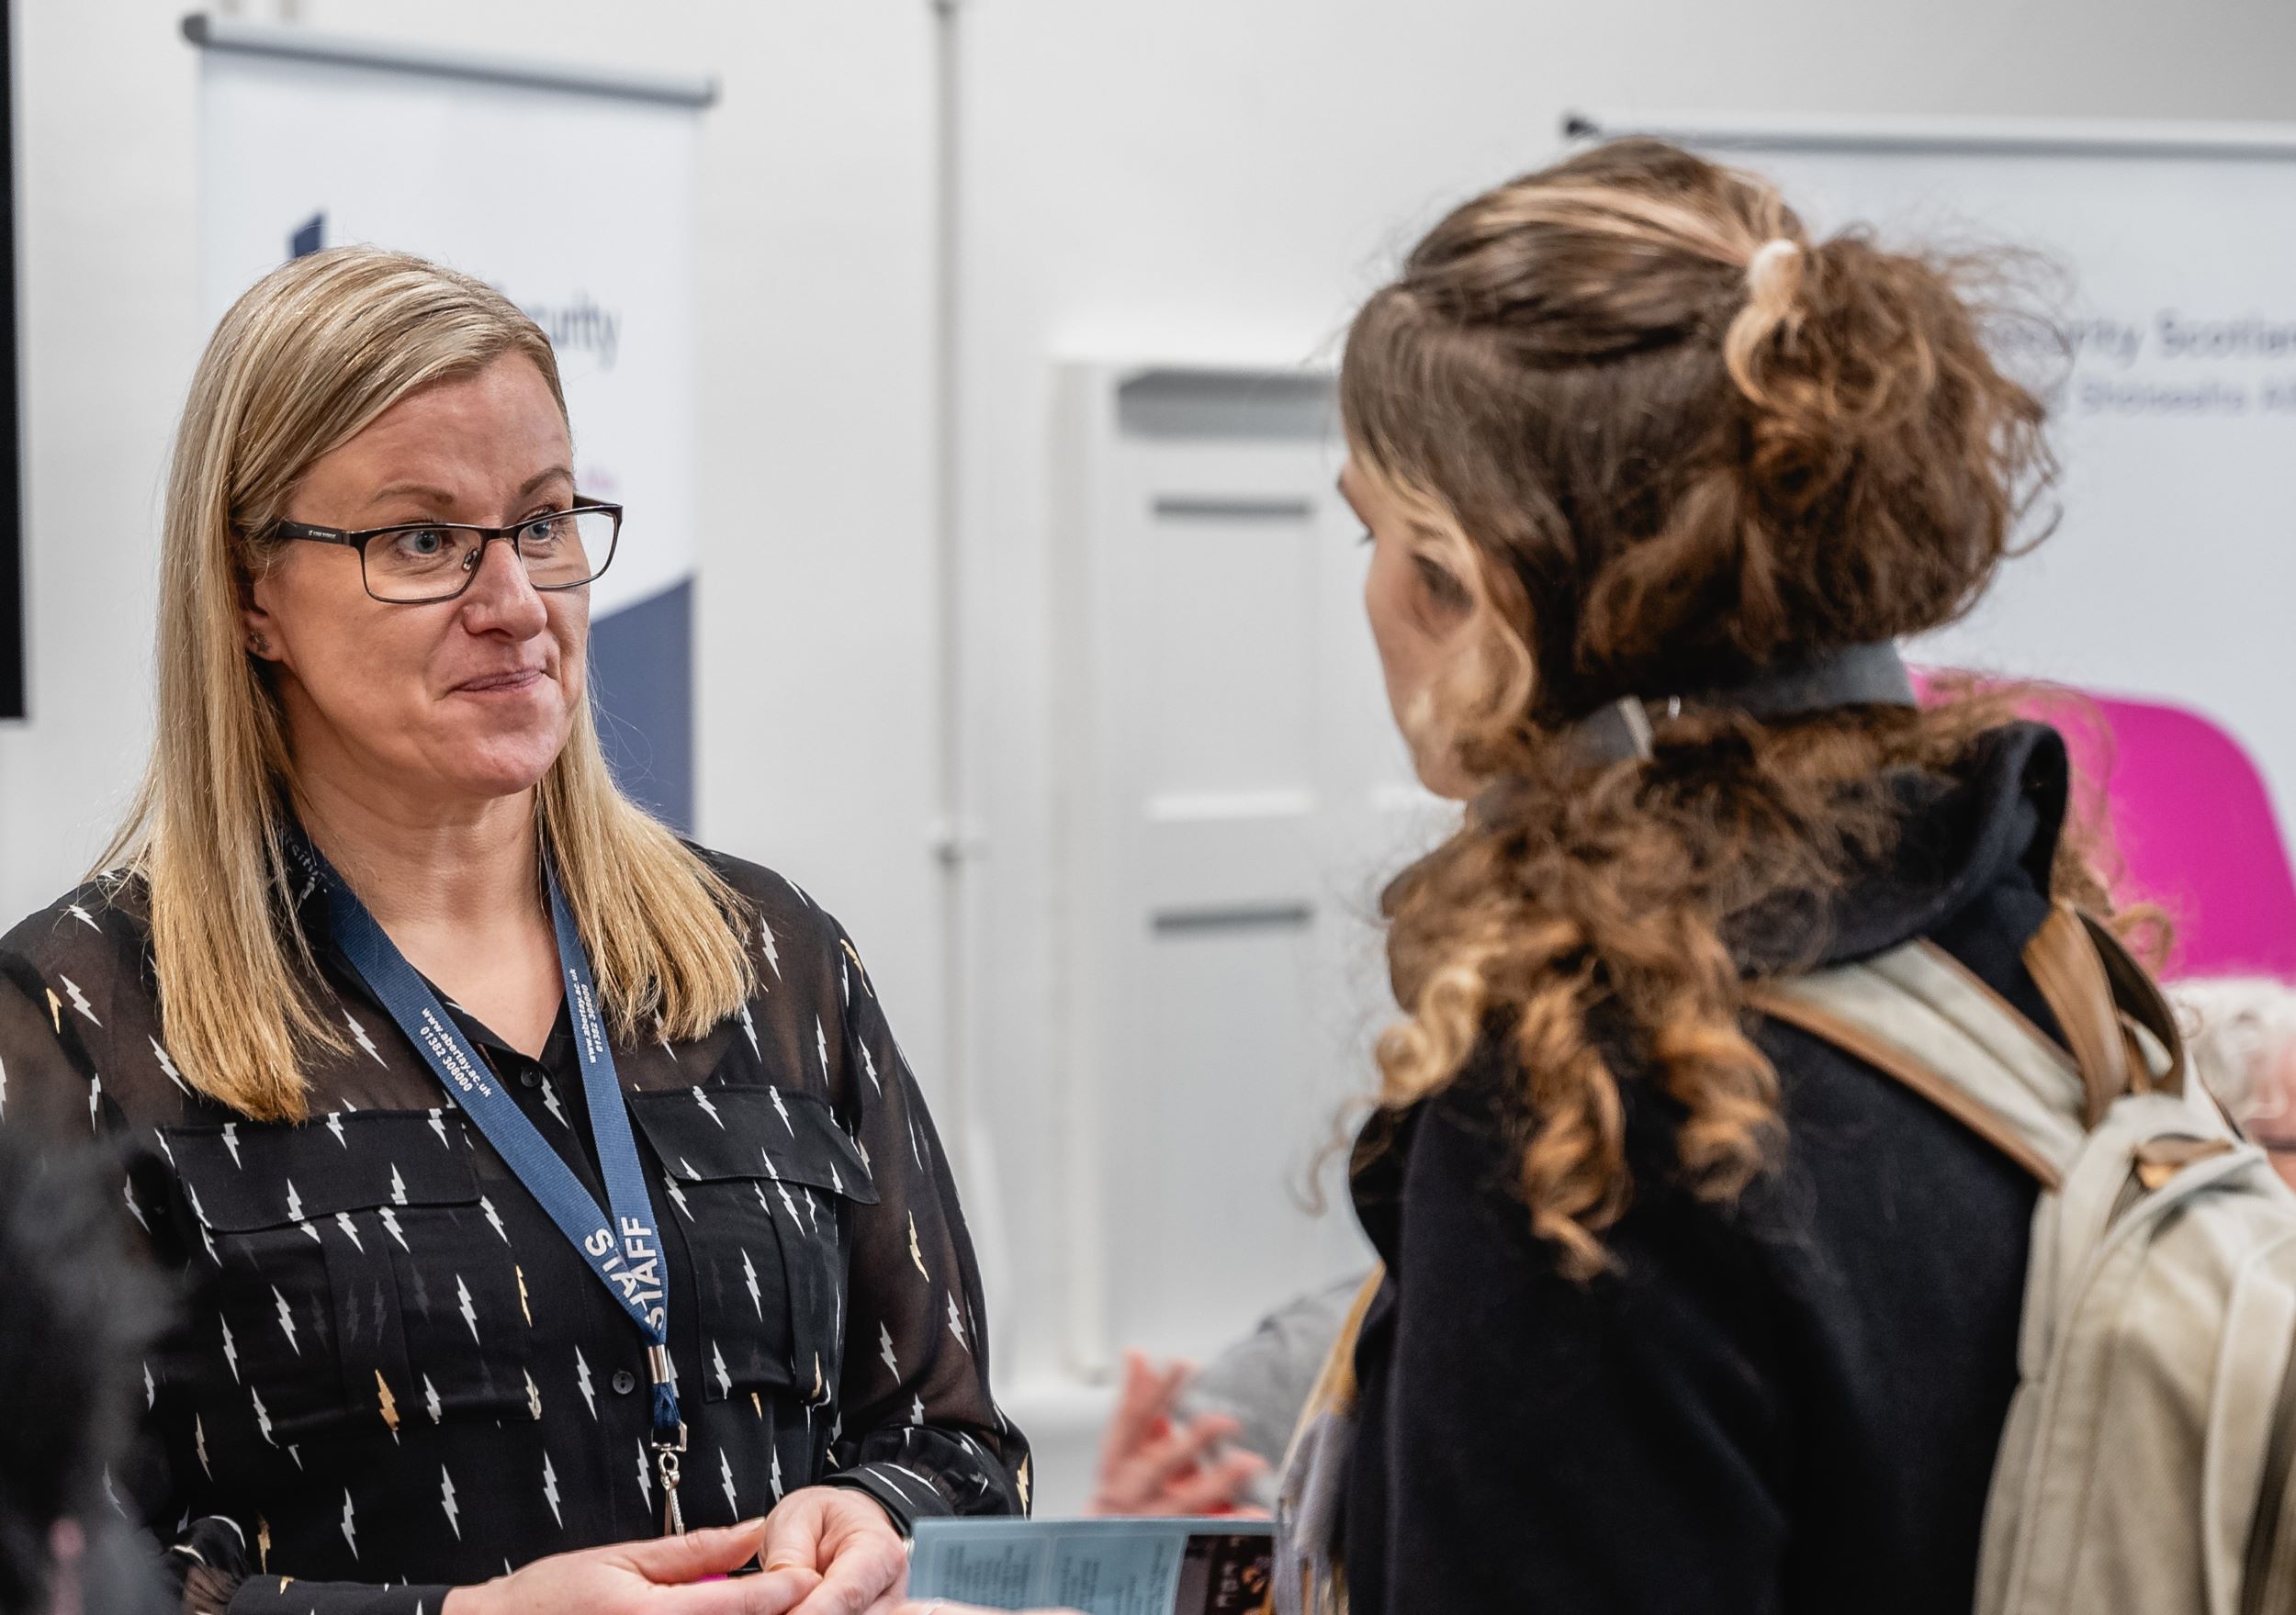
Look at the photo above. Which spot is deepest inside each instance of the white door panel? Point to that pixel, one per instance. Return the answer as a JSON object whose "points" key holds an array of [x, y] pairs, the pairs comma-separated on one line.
{"points": [[1233, 794]]}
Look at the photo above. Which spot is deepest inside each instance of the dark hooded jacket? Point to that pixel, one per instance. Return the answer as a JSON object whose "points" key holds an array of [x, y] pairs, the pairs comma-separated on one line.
{"points": [[1787, 1404]]}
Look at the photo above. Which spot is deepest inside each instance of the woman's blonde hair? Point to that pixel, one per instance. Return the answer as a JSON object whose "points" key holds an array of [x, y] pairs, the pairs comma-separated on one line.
{"points": [[305, 359], [1658, 440]]}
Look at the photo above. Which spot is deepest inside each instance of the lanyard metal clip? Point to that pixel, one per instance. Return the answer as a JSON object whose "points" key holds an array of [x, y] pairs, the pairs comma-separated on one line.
{"points": [[668, 1446]]}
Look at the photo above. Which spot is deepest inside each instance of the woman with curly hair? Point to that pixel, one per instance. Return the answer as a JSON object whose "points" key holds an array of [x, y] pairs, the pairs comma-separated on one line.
{"points": [[1682, 1309]]}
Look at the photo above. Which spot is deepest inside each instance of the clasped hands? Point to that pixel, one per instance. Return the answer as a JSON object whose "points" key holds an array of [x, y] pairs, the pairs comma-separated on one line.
{"points": [[825, 1551]]}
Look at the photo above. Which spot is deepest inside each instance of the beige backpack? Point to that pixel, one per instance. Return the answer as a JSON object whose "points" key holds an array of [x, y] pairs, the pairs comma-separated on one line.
{"points": [[2145, 1468]]}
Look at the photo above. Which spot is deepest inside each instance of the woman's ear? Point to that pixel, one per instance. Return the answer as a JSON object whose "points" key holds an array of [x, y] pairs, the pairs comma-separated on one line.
{"points": [[258, 631]]}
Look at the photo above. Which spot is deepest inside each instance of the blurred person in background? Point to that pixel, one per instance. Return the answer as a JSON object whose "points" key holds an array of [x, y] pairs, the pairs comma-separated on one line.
{"points": [[1682, 1309], [543, 1186], [82, 1312], [2241, 1034]]}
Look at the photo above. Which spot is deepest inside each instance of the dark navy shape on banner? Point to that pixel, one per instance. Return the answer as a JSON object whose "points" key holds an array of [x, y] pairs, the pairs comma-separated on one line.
{"points": [[641, 681]]}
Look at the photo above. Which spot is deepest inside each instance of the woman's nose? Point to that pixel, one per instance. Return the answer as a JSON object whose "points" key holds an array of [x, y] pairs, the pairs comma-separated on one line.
{"points": [[500, 593]]}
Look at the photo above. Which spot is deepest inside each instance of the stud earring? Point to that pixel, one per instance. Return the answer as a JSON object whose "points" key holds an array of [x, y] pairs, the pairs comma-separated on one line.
{"points": [[259, 644]]}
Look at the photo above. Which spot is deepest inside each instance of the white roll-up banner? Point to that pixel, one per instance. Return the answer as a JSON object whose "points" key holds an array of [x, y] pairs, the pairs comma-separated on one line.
{"points": [[578, 203]]}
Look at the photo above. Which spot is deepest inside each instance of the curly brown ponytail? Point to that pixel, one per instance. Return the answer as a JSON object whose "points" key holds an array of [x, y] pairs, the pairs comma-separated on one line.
{"points": [[1666, 442]]}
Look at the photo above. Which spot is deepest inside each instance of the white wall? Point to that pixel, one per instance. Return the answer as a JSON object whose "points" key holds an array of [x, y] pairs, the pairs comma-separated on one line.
{"points": [[1200, 178]]}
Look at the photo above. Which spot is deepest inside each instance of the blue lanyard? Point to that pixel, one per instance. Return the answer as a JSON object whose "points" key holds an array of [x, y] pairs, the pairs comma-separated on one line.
{"points": [[621, 1246]]}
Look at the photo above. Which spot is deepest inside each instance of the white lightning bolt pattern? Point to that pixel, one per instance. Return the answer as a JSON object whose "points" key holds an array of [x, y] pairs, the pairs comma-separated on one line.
{"points": [[844, 984], [750, 1026], [230, 1350], [365, 1042], [262, 1416], [199, 1443], [287, 1319], [837, 1184], [391, 1227], [447, 1499], [644, 1478], [431, 1404], [773, 953], [550, 1102], [868, 1068], [777, 1475], [726, 1476], [3, 1088], [350, 1526], [717, 1363], [151, 1390], [581, 1382], [821, 1045], [205, 1238], [81, 914], [550, 1490], [294, 1210], [94, 1102], [128, 1192], [398, 1186], [231, 1142], [884, 1349], [167, 1066], [679, 1195], [494, 1218], [534, 1395], [462, 1295], [956, 1323], [438, 1126], [749, 1279], [782, 1110], [79, 999], [708, 1109], [335, 1125], [342, 1221]]}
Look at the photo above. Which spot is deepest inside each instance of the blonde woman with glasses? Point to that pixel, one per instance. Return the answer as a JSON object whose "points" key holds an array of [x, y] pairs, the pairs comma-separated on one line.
{"points": [[558, 1225]]}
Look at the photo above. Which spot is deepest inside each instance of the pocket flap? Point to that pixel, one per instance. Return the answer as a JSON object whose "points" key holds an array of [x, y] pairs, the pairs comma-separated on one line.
{"points": [[243, 1176], [704, 1134]]}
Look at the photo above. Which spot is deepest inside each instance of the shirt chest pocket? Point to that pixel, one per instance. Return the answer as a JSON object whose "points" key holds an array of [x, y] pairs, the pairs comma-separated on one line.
{"points": [[311, 1232], [760, 1184]]}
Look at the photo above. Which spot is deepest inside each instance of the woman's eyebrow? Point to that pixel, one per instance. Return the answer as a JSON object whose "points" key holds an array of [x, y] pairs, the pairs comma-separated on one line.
{"points": [[441, 498]]}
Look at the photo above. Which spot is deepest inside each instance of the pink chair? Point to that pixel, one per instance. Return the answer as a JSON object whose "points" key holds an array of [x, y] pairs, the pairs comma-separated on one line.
{"points": [[2193, 827]]}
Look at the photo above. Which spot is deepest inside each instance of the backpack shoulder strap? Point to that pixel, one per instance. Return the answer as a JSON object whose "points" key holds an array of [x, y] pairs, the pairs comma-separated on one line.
{"points": [[2070, 973], [1917, 1016], [1857, 1010]]}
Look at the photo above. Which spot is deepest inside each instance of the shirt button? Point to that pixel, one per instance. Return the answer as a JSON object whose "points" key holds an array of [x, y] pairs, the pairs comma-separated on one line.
{"points": [[529, 1078], [625, 1382]]}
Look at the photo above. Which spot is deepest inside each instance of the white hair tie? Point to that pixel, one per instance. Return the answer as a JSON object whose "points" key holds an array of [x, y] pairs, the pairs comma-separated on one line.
{"points": [[1768, 261]]}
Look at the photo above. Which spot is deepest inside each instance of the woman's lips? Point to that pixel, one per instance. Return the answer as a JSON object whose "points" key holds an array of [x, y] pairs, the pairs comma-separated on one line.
{"points": [[502, 683]]}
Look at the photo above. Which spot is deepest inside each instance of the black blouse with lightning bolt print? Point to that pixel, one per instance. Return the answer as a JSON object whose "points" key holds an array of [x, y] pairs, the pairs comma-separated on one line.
{"points": [[393, 1375]]}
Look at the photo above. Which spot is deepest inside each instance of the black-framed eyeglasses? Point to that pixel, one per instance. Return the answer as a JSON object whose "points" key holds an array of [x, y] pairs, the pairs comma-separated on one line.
{"points": [[417, 562]]}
